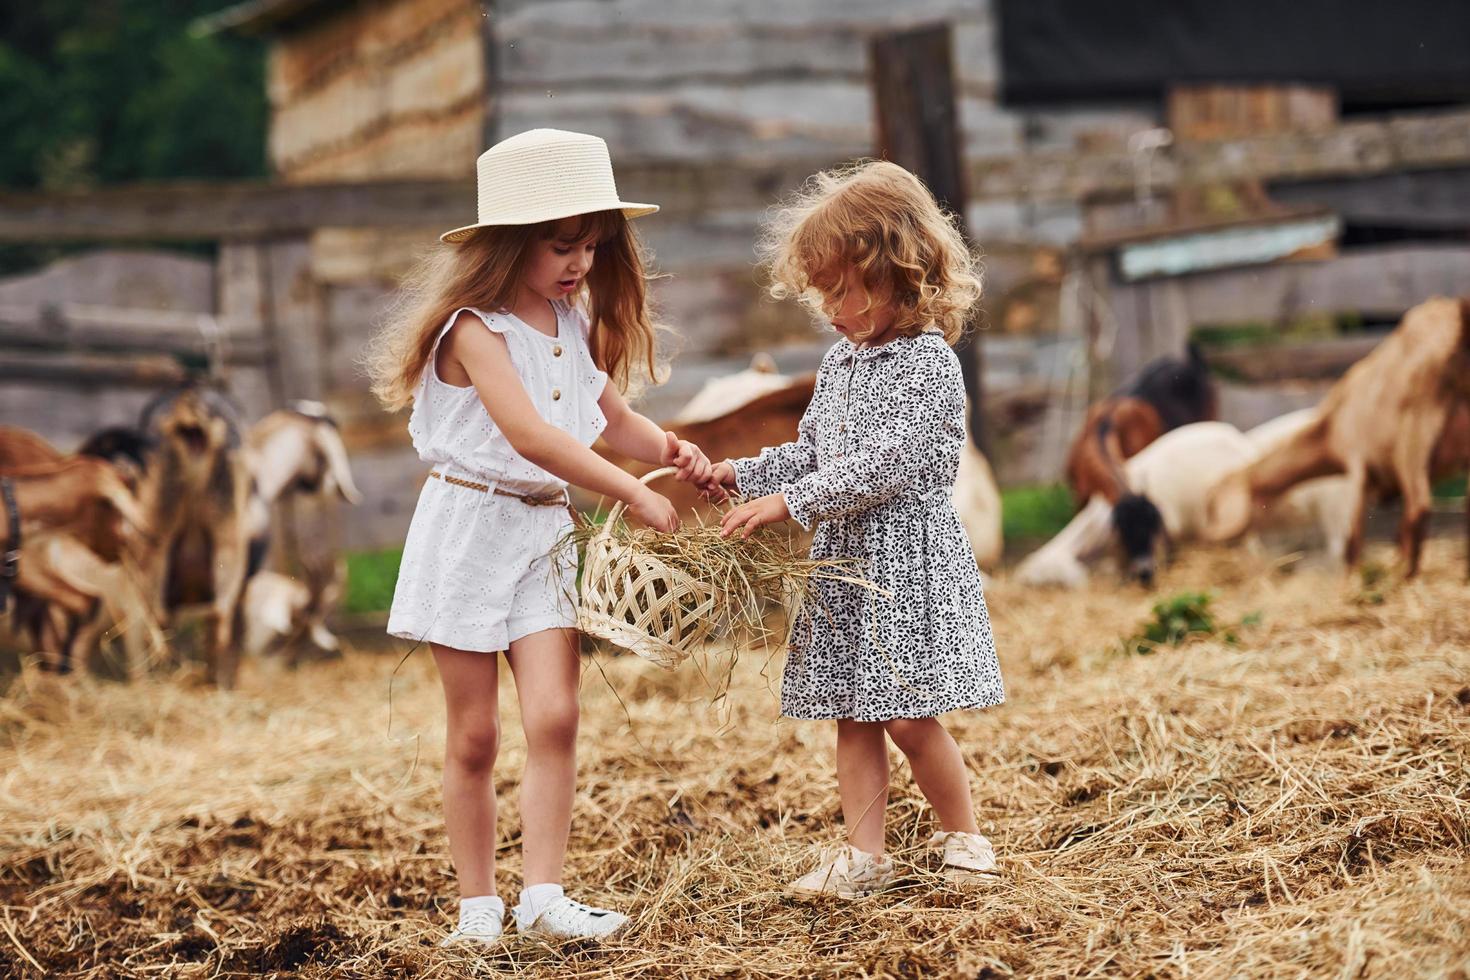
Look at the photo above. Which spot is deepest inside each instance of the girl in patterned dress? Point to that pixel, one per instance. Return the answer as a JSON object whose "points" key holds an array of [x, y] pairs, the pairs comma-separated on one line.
{"points": [[873, 468], [506, 351]]}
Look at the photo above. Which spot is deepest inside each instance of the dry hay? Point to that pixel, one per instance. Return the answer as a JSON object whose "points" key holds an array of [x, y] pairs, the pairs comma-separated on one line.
{"points": [[1296, 804]]}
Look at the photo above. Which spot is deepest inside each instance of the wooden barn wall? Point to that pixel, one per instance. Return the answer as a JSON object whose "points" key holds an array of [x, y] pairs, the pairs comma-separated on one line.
{"points": [[391, 88]]}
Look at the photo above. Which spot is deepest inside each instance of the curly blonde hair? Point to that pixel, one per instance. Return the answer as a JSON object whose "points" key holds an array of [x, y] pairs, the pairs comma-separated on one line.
{"points": [[880, 220], [484, 270]]}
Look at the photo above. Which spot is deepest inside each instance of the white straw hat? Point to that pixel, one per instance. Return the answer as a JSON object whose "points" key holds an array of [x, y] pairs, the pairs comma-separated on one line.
{"points": [[544, 175]]}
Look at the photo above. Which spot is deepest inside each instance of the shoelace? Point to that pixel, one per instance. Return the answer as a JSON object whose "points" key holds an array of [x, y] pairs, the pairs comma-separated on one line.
{"points": [[574, 914], [478, 922], [959, 848], [841, 866]]}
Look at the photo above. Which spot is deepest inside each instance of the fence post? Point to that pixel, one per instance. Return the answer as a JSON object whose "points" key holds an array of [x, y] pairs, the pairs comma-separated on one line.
{"points": [[912, 74]]}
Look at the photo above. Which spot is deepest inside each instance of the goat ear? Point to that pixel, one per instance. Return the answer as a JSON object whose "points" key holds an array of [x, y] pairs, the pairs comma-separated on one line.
{"points": [[763, 363], [329, 444]]}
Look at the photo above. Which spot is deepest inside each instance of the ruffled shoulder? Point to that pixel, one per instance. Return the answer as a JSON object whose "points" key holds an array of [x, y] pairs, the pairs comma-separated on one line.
{"points": [[496, 321]]}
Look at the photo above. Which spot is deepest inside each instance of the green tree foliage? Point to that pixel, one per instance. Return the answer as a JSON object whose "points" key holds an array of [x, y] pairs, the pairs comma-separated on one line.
{"points": [[106, 91]]}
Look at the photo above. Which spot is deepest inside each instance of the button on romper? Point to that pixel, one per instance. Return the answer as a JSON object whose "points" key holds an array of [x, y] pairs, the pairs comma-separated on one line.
{"points": [[481, 569], [874, 466]]}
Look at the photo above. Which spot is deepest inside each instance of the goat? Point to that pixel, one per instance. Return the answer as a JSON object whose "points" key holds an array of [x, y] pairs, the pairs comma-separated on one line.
{"points": [[1380, 425], [196, 491], [280, 611], [295, 450], [1167, 393], [1164, 504], [75, 515]]}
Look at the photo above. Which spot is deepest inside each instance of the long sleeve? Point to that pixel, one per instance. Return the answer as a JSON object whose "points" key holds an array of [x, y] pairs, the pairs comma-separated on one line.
{"points": [[912, 426], [776, 466]]}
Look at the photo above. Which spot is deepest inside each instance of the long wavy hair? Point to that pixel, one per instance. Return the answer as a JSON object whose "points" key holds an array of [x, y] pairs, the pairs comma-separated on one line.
{"points": [[879, 219], [485, 270]]}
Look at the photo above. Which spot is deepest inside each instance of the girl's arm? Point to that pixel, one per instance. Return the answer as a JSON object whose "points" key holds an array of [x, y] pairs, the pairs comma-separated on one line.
{"points": [[638, 436], [756, 476], [913, 418], [486, 359]]}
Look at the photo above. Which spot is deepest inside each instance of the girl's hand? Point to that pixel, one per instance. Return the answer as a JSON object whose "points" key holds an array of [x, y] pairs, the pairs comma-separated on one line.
{"points": [[693, 465], [654, 509], [770, 509], [721, 481]]}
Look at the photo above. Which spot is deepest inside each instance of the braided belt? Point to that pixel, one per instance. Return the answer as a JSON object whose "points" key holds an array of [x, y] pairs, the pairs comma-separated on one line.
{"points": [[558, 499]]}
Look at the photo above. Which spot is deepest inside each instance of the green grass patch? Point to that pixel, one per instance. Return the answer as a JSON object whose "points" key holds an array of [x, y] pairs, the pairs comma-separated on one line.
{"points": [[1252, 333], [1035, 512], [370, 579], [1179, 618], [1453, 487]]}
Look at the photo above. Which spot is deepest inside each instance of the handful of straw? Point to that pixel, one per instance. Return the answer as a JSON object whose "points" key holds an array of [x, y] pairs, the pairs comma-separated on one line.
{"points": [[661, 595]]}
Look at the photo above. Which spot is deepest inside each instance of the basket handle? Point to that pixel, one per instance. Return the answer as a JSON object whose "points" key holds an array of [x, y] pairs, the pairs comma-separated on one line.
{"points": [[620, 506]]}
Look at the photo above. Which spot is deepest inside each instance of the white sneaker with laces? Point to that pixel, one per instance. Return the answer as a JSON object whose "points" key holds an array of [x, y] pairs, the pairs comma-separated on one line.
{"points": [[564, 918], [845, 872], [967, 857], [477, 925]]}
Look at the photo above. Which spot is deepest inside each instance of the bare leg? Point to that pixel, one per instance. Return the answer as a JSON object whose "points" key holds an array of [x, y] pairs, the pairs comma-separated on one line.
{"points": [[862, 781], [547, 674], [472, 708], [939, 769]]}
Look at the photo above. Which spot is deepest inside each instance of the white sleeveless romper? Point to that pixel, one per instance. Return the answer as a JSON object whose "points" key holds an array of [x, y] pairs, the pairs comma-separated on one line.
{"points": [[481, 569]]}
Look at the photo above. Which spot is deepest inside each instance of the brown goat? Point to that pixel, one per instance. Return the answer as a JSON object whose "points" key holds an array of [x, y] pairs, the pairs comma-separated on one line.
{"points": [[1115, 430], [72, 515], [1380, 424], [65, 495], [1166, 393], [196, 489]]}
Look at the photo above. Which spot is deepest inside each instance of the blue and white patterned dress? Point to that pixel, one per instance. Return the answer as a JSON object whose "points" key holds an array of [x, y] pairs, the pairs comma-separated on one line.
{"points": [[873, 468]]}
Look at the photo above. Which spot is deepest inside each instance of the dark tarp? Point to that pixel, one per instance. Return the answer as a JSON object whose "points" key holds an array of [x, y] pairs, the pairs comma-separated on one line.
{"points": [[1375, 53]]}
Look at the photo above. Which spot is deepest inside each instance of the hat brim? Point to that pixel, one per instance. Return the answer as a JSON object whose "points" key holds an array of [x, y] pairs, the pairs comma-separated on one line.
{"points": [[630, 209]]}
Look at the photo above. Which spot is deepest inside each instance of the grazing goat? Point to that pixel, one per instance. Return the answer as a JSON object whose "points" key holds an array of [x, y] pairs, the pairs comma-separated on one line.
{"points": [[1168, 483], [1167, 393], [1380, 425], [281, 611]]}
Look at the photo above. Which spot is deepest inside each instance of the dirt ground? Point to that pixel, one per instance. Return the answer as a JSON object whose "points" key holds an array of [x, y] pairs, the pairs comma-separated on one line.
{"points": [[1293, 803]]}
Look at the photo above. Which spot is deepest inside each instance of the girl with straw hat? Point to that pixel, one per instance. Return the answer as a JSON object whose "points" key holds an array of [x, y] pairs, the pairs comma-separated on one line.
{"points": [[504, 344]]}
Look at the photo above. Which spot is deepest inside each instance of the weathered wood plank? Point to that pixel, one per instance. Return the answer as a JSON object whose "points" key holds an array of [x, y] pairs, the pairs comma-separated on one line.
{"points": [[147, 371], [209, 211], [1315, 360], [75, 327]]}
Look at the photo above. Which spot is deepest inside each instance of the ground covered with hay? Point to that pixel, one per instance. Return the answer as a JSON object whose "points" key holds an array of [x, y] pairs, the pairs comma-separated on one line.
{"points": [[1287, 793]]}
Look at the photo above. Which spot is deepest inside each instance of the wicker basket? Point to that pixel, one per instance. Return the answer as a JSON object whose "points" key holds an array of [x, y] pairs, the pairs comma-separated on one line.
{"points": [[637, 601]]}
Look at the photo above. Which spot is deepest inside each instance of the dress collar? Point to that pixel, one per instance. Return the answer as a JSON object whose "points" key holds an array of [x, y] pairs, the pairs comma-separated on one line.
{"points": [[851, 350]]}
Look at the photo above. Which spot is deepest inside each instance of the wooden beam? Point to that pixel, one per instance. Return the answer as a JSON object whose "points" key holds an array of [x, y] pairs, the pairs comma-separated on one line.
{"points": [[47, 367], [82, 329], [1417, 141], [918, 129], [1317, 360], [204, 211]]}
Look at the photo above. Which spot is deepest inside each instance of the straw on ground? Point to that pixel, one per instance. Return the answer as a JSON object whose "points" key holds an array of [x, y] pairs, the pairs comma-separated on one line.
{"points": [[1294, 804]]}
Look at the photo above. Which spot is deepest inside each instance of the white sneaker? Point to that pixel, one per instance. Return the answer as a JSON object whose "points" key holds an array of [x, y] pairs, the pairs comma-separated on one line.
{"points": [[566, 919], [845, 872], [967, 857], [481, 925]]}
